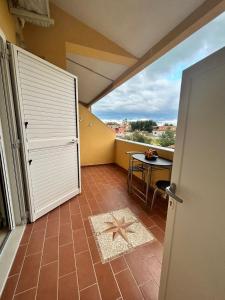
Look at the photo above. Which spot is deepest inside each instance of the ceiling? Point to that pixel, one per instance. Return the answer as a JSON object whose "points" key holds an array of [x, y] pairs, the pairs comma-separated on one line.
{"points": [[134, 25], [94, 75]]}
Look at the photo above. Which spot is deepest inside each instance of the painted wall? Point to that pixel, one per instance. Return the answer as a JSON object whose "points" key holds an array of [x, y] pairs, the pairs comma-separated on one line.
{"points": [[7, 22], [50, 43], [122, 159], [68, 35], [97, 141]]}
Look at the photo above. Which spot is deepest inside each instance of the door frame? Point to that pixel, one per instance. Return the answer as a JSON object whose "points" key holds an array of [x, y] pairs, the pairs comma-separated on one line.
{"points": [[202, 66], [11, 150], [8, 200], [20, 120]]}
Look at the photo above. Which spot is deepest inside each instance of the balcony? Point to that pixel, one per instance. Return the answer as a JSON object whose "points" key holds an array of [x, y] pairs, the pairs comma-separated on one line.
{"points": [[59, 249], [60, 252], [57, 256]]}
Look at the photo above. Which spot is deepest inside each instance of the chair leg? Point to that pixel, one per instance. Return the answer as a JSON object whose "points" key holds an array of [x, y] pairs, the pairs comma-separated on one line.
{"points": [[129, 174], [128, 181], [153, 198]]}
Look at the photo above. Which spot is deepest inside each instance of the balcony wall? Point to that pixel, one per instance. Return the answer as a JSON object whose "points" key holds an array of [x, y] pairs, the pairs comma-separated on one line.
{"points": [[121, 158], [51, 43], [97, 141]]}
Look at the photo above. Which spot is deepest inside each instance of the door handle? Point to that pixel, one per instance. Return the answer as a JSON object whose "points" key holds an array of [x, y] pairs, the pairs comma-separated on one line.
{"points": [[171, 191]]}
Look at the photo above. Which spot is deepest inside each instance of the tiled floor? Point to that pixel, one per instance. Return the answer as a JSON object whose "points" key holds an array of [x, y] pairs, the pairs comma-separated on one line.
{"points": [[58, 258]]}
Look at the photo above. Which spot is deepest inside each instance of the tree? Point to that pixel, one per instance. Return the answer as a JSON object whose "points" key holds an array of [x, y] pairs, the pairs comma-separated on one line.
{"points": [[167, 138], [138, 137], [143, 125], [168, 124]]}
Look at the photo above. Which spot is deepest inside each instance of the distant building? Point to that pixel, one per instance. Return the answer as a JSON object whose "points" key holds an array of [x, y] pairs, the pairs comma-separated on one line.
{"points": [[119, 131], [159, 130], [118, 128], [126, 125]]}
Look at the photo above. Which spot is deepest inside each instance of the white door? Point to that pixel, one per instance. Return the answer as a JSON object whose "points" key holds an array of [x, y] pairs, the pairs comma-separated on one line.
{"points": [[194, 256], [47, 112]]}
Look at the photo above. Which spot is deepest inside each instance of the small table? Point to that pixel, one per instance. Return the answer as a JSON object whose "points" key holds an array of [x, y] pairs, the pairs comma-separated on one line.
{"points": [[150, 165]]}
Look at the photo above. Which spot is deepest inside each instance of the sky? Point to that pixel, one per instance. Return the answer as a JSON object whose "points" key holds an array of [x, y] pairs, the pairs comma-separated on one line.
{"points": [[154, 92]]}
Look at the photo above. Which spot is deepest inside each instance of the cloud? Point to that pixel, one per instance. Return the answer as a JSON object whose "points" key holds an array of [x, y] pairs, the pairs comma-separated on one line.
{"points": [[142, 97], [154, 92]]}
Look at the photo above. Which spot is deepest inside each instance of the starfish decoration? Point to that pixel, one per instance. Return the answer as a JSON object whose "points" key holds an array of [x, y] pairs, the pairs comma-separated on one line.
{"points": [[119, 227]]}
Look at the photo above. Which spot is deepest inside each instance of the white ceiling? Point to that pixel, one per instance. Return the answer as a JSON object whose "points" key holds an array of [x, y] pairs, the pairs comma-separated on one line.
{"points": [[135, 25], [94, 75], [104, 68]]}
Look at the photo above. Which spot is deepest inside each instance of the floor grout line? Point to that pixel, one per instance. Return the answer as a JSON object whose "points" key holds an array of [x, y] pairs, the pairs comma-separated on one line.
{"points": [[66, 244], [143, 283], [75, 260], [64, 275], [51, 262], [87, 287], [23, 261], [116, 281], [81, 252], [133, 277], [32, 288], [96, 278], [99, 185], [116, 273], [41, 258], [16, 274], [35, 253]]}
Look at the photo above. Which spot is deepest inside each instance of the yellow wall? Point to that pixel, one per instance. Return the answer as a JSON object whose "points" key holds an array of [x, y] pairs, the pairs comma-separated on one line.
{"points": [[121, 158], [50, 43], [97, 141], [7, 22]]}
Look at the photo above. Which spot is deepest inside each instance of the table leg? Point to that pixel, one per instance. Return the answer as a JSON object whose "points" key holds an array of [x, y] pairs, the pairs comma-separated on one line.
{"points": [[150, 177]]}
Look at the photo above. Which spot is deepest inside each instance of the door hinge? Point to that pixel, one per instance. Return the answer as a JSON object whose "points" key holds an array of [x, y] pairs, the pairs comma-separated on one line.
{"points": [[16, 145], [25, 219], [4, 52]]}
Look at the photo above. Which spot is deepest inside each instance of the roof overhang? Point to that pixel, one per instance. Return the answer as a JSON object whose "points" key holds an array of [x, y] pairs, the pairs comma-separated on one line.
{"points": [[201, 16], [99, 71]]}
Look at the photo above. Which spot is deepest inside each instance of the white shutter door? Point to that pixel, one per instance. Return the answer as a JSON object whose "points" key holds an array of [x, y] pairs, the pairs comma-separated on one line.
{"points": [[47, 108]]}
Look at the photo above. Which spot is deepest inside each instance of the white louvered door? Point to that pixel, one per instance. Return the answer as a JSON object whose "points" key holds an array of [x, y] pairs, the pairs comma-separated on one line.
{"points": [[47, 113]]}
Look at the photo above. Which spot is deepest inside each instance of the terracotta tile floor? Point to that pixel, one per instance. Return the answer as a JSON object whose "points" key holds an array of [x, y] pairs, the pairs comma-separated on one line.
{"points": [[58, 258]]}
